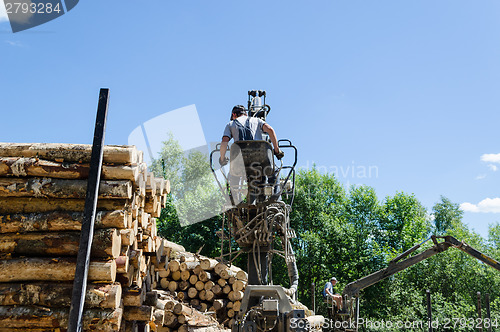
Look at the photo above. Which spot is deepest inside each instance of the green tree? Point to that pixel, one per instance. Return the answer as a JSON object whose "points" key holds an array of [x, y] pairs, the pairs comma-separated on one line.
{"points": [[192, 215], [446, 214]]}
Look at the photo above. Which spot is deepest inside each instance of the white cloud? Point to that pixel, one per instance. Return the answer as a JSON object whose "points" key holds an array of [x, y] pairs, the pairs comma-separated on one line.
{"points": [[488, 205], [14, 43], [491, 158], [480, 176], [3, 13], [494, 168]]}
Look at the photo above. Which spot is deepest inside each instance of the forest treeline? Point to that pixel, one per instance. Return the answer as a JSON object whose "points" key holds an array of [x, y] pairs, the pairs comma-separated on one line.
{"points": [[350, 233]]}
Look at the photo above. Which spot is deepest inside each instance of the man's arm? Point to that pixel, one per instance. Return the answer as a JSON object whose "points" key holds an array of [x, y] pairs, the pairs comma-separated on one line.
{"points": [[272, 134], [223, 149]]}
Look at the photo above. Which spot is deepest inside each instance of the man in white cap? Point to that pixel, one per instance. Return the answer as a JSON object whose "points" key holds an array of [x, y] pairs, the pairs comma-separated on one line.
{"points": [[328, 292]]}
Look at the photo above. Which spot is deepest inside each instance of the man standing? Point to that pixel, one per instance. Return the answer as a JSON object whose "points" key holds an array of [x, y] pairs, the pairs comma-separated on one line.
{"points": [[328, 292], [244, 128]]}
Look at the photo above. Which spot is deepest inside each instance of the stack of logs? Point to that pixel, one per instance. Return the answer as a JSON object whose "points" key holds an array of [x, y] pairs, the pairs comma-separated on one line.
{"points": [[42, 193], [204, 283]]}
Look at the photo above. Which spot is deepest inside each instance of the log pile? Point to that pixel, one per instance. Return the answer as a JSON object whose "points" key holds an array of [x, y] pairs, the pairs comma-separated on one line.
{"points": [[204, 283], [42, 192]]}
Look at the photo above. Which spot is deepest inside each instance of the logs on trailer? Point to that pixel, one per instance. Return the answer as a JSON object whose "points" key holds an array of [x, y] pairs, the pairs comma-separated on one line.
{"points": [[42, 191]]}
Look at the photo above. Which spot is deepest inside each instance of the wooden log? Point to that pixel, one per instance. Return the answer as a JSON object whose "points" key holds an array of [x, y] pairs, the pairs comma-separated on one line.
{"points": [[199, 285], [227, 273], [53, 269], [38, 317], [203, 307], [182, 296], [222, 282], [122, 264], [231, 280], [239, 285], [22, 167], [217, 289], [192, 292], [128, 237], [163, 273], [237, 306], [202, 295], [197, 270], [61, 188], [230, 313], [220, 303], [10, 205], [189, 266], [170, 319], [242, 275], [134, 296], [170, 304], [205, 276], [59, 221], [158, 317], [174, 265], [142, 313], [176, 275], [135, 256], [164, 283], [126, 279], [80, 153], [193, 279], [226, 289], [209, 285], [173, 286], [185, 275], [106, 243], [235, 295], [183, 285], [208, 264], [180, 308], [172, 248], [59, 295], [209, 295]]}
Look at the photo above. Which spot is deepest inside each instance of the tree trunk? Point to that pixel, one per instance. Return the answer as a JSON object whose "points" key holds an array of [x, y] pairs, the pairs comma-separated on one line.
{"points": [[59, 221], [22, 167], [106, 243], [31, 205], [53, 269], [142, 313], [59, 295], [36, 317], [78, 153], [61, 188]]}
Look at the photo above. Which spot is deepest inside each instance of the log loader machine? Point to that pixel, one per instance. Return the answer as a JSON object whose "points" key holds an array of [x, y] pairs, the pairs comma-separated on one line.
{"points": [[258, 221], [403, 261]]}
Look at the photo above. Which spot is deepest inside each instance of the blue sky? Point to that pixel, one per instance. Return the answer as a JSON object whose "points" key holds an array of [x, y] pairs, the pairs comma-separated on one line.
{"points": [[408, 90]]}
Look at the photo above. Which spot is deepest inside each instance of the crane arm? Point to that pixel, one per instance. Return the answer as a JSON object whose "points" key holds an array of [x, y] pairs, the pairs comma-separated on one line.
{"points": [[395, 266]]}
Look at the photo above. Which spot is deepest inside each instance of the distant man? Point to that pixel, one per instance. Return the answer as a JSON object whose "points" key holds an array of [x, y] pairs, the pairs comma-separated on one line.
{"points": [[244, 128], [328, 292]]}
